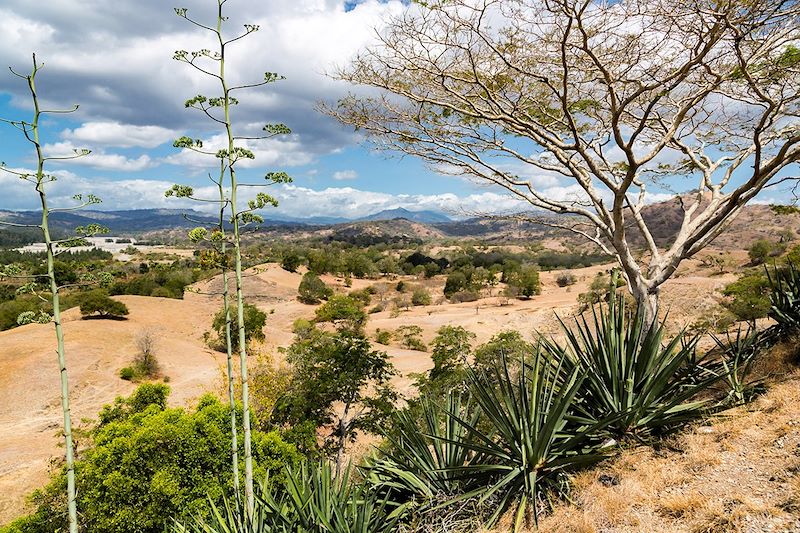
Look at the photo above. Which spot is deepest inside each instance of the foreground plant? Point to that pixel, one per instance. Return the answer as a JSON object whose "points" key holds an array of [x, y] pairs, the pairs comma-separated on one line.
{"points": [[785, 298], [39, 179], [645, 385], [311, 501], [218, 108], [525, 444]]}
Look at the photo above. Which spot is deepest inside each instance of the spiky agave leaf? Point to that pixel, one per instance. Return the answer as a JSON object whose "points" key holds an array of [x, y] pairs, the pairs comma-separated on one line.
{"points": [[785, 297], [524, 446], [421, 455], [647, 386], [316, 502]]}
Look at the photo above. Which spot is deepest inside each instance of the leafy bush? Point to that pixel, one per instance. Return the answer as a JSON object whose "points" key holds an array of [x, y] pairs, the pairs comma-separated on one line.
{"points": [[645, 385], [452, 348], [98, 303], [291, 262], [748, 297], [421, 296], [760, 251], [147, 465], [383, 336], [254, 321], [127, 373], [313, 290], [342, 310], [526, 280], [565, 279], [411, 337], [465, 296]]}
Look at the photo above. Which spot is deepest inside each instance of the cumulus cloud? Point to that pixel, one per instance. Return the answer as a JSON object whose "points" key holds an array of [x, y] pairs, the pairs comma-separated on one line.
{"points": [[276, 152], [116, 61], [111, 133], [67, 152], [342, 175]]}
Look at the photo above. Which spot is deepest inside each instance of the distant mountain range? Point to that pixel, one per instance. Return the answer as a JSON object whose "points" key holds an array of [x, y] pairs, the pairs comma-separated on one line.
{"points": [[135, 220]]}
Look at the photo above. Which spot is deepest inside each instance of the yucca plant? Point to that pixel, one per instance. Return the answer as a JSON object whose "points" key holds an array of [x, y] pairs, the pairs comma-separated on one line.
{"points": [[421, 454], [738, 353], [785, 297], [230, 517], [647, 386], [315, 501], [524, 445]]}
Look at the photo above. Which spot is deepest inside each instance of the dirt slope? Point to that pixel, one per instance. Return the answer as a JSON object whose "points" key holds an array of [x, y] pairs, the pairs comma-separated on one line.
{"points": [[30, 407]]}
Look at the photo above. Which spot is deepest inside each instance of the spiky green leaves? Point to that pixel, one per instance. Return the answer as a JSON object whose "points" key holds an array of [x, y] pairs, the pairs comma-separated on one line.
{"points": [[647, 385]]}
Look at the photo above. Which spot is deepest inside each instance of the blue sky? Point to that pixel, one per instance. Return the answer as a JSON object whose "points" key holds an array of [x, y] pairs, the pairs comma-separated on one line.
{"points": [[115, 59]]}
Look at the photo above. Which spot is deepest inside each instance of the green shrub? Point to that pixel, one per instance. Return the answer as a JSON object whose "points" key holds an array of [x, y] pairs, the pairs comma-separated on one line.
{"points": [[748, 297], [291, 262], [421, 296], [254, 321], [465, 296], [313, 290], [411, 338], [98, 303], [147, 464], [127, 373], [383, 336], [342, 310], [565, 279]]}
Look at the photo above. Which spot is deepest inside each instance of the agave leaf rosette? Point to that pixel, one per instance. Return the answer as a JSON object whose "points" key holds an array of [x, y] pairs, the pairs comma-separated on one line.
{"points": [[525, 445], [646, 384]]}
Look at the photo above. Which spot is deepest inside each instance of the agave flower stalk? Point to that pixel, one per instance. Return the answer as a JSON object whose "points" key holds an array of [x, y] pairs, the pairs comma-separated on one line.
{"points": [[219, 110], [39, 179]]}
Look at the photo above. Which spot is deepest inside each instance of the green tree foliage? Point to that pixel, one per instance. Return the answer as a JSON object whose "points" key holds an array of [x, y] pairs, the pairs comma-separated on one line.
{"points": [[451, 351], [339, 383], [147, 464], [254, 321], [456, 282], [291, 262], [313, 290], [506, 344], [748, 297], [97, 303], [760, 251], [526, 281], [344, 311], [421, 296], [410, 337]]}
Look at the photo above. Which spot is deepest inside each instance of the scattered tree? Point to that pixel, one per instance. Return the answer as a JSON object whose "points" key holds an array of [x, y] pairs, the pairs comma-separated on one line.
{"points": [[97, 303], [312, 290], [618, 97]]}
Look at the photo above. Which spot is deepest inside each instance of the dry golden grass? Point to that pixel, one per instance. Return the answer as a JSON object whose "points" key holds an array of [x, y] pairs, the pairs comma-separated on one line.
{"points": [[738, 472]]}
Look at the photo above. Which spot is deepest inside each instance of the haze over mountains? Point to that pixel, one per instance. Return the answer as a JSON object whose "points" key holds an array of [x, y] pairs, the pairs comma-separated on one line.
{"points": [[153, 219]]}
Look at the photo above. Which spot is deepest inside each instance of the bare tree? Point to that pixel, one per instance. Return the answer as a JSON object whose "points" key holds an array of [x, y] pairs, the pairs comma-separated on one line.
{"points": [[695, 98]]}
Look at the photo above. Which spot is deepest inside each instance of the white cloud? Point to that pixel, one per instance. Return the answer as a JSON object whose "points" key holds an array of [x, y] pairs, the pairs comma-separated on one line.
{"points": [[342, 175], [98, 159], [111, 133], [277, 152]]}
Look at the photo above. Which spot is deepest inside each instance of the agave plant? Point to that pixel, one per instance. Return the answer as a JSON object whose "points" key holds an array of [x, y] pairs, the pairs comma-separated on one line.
{"points": [[231, 517], [645, 385], [785, 298], [316, 502], [525, 445], [421, 455], [738, 353]]}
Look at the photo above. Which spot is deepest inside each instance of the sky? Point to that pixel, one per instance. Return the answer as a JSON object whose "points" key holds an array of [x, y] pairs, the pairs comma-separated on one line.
{"points": [[115, 60]]}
